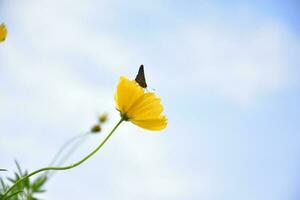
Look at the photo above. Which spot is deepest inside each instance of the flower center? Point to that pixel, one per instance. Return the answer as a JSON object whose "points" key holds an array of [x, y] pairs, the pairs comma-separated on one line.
{"points": [[124, 116]]}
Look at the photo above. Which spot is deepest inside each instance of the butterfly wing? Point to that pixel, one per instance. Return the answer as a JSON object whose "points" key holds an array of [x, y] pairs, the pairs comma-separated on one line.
{"points": [[140, 77]]}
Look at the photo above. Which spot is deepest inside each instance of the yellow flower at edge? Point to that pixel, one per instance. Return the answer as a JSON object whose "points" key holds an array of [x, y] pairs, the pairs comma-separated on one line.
{"points": [[141, 108], [3, 32]]}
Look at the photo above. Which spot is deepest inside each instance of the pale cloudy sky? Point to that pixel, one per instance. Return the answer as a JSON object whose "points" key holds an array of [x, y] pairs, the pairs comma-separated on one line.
{"points": [[227, 73]]}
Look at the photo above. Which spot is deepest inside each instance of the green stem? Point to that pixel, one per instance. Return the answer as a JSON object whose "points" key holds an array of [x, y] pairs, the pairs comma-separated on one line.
{"points": [[66, 167], [69, 153], [62, 148]]}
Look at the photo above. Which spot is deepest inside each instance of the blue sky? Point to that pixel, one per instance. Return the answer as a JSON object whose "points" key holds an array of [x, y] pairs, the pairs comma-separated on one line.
{"points": [[227, 73]]}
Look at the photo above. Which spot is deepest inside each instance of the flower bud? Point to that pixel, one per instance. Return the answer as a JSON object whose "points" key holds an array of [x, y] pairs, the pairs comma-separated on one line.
{"points": [[96, 128], [103, 118]]}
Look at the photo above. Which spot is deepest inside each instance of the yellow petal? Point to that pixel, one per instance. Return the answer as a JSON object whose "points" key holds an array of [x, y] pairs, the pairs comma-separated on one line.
{"points": [[144, 98], [152, 124], [148, 99], [150, 111], [3, 32], [127, 93]]}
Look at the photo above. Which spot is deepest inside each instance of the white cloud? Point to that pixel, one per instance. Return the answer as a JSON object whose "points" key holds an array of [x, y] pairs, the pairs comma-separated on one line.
{"points": [[239, 65]]}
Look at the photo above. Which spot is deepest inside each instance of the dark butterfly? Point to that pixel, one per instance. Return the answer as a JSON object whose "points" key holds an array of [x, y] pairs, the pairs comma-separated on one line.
{"points": [[140, 77]]}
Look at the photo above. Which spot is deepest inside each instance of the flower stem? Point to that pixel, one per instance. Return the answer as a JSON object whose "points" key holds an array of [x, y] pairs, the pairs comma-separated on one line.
{"points": [[66, 167]]}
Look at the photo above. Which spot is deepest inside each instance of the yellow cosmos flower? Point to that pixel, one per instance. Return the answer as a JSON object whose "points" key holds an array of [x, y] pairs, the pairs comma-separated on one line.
{"points": [[141, 108], [3, 32]]}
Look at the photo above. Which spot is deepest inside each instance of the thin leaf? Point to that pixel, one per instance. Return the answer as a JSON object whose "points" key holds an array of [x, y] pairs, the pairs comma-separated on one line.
{"points": [[18, 167], [13, 194], [38, 183]]}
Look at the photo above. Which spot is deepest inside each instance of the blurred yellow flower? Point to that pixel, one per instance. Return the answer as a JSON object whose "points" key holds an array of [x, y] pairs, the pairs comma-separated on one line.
{"points": [[141, 108], [3, 32]]}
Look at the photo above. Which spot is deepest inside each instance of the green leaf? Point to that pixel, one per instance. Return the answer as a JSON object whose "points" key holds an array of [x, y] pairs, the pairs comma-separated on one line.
{"points": [[38, 183], [3, 185], [15, 194], [18, 167]]}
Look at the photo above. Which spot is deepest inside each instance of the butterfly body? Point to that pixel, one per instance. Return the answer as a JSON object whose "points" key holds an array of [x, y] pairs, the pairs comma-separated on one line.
{"points": [[140, 77]]}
